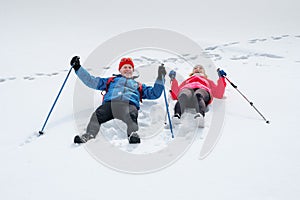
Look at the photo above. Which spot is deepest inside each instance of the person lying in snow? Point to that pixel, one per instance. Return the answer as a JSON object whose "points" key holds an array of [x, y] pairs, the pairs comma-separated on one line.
{"points": [[122, 98], [197, 92]]}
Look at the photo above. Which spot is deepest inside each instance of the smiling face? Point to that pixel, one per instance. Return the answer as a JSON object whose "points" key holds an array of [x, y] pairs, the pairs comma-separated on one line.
{"points": [[126, 71], [198, 69]]}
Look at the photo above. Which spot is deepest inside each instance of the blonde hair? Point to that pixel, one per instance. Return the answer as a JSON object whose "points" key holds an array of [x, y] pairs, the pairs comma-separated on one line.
{"points": [[201, 67]]}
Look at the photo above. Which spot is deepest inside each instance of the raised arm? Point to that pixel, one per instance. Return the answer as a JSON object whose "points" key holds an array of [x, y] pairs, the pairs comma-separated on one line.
{"points": [[219, 88], [89, 80], [155, 92], [174, 85]]}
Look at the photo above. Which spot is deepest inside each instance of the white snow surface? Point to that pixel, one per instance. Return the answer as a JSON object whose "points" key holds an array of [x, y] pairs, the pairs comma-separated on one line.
{"points": [[252, 159]]}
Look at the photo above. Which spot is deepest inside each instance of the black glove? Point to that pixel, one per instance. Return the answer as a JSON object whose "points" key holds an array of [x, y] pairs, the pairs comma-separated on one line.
{"points": [[75, 63], [161, 72]]}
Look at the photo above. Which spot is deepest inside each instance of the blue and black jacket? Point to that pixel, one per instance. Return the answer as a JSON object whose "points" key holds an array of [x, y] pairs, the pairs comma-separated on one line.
{"points": [[121, 88]]}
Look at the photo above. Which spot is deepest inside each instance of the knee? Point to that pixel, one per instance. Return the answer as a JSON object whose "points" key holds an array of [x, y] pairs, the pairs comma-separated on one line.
{"points": [[134, 116], [100, 115], [198, 96], [182, 97]]}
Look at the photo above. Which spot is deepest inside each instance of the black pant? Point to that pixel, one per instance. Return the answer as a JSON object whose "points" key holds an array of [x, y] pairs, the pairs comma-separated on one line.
{"points": [[110, 110], [192, 98]]}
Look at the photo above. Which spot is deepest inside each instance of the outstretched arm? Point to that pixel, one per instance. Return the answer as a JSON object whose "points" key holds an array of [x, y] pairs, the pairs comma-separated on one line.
{"points": [[155, 91], [89, 80], [174, 85], [219, 89], [174, 89]]}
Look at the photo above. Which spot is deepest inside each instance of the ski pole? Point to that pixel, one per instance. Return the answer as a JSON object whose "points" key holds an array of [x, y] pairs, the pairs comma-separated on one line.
{"points": [[167, 105], [251, 103], [166, 114], [41, 132]]}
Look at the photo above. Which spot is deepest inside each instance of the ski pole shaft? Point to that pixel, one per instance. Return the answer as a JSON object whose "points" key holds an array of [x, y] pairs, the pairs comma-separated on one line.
{"points": [[41, 132], [166, 114], [251, 103], [167, 106]]}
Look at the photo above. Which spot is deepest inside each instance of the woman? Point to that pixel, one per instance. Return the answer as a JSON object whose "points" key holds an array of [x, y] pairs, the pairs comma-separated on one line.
{"points": [[195, 92]]}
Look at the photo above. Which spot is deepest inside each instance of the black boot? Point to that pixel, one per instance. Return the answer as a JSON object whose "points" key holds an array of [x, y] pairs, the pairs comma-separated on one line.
{"points": [[134, 138], [78, 140], [83, 139]]}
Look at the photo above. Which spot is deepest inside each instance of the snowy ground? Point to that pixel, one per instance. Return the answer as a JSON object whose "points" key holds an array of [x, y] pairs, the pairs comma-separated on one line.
{"points": [[252, 160]]}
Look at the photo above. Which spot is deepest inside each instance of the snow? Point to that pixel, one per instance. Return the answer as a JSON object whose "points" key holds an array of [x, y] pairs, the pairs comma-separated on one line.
{"points": [[251, 159]]}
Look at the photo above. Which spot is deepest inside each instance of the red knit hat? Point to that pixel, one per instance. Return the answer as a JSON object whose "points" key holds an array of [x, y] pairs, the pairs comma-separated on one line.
{"points": [[126, 61]]}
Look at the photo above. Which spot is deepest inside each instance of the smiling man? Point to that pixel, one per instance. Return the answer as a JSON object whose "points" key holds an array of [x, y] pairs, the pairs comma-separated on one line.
{"points": [[122, 98]]}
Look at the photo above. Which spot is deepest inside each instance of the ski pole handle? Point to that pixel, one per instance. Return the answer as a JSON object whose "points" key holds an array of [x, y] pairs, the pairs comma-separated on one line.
{"points": [[231, 83]]}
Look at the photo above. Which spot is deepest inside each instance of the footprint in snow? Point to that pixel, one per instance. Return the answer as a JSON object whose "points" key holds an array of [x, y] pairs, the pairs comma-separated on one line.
{"points": [[268, 55], [171, 60], [137, 60], [276, 38], [28, 78], [211, 48], [54, 73], [39, 74], [230, 44], [257, 40], [194, 57], [240, 58]]}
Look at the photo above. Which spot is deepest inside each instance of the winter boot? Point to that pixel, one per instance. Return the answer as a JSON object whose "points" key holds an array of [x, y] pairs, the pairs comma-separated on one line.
{"points": [[176, 119], [83, 139], [134, 138], [199, 118]]}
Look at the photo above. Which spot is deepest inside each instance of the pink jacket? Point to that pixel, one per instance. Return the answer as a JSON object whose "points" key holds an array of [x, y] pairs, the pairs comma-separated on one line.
{"points": [[197, 81]]}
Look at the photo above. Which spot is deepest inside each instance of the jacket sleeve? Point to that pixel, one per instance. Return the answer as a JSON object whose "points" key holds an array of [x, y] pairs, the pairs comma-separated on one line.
{"points": [[174, 89], [154, 92], [91, 81], [219, 89]]}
